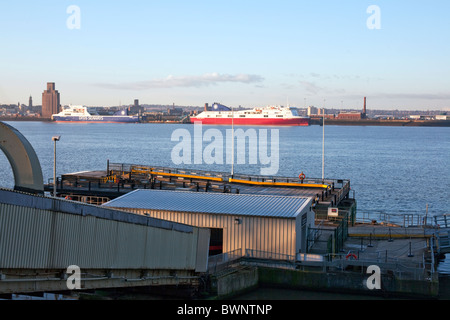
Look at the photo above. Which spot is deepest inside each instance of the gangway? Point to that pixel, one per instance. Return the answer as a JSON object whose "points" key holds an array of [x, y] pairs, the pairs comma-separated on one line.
{"points": [[41, 238]]}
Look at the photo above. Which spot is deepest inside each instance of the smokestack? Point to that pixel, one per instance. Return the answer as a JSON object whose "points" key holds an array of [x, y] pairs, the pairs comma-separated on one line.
{"points": [[206, 106], [365, 101]]}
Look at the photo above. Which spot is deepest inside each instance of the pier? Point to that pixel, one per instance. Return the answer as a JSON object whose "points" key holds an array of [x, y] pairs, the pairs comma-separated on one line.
{"points": [[340, 244], [406, 257], [118, 179], [44, 239], [343, 244], [143, 226]]}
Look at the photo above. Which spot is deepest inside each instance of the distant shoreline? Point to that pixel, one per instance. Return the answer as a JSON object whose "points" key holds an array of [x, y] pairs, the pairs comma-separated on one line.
{"points": [[375, 122], [25, 119], [330, 122]]}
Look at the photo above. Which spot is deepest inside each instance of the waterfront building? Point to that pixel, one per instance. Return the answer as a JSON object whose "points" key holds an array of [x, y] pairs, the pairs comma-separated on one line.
{"points": [[442, 117], [262, 224], [311, 111], [350, 115], [136, 108], [50, 101]]}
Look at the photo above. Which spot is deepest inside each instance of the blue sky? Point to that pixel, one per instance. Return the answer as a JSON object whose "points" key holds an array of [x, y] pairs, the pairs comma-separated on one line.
{"points": [[247, 52]]}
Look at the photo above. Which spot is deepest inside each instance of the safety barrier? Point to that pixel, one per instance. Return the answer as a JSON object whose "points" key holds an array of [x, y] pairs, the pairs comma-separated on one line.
{"points": [[400, 268]]}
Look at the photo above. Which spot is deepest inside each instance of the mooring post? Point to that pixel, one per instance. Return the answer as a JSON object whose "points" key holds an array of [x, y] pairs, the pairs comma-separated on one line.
{"points": [[410, 255], [370, 241]]}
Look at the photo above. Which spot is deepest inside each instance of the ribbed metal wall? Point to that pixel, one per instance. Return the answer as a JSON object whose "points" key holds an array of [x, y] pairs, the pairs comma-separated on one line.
{"points": [[45, 239], [276, 235]]}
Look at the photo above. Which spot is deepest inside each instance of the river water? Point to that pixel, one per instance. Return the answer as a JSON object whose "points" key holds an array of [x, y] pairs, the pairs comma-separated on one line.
{"points": [[391, 169]]}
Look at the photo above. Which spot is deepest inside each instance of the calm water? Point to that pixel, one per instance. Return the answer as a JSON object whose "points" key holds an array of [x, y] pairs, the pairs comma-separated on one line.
{"points": [[392, 169]]}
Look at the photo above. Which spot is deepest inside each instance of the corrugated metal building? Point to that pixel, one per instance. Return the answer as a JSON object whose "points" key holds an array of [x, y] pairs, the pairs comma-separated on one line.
{"points": [[267, 223], [40, 235]]}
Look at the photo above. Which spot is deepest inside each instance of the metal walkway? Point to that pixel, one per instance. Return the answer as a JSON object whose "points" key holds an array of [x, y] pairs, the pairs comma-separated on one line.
{"points": [[44, 240]]}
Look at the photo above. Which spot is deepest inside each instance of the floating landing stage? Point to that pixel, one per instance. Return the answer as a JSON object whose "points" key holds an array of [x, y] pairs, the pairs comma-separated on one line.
{"points": [[104, 185]]}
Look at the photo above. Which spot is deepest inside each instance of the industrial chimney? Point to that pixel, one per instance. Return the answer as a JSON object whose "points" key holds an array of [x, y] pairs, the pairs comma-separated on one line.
{"points": [[365, 105]]}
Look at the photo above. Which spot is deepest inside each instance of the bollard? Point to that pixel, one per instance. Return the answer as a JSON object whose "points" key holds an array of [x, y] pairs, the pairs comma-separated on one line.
{"points": [[370, 241], [410, 255]]}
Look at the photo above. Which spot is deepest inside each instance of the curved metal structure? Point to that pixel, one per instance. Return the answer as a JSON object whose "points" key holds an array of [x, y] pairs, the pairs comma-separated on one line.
{"points": [[23, 159]]}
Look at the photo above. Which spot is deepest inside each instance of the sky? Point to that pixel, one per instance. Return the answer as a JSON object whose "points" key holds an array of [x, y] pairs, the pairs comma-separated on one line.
{"points": [[247, 53]]}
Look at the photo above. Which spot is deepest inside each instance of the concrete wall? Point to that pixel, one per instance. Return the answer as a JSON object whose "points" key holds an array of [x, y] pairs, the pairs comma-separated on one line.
{"points": [[346, 282], [234, 283]]}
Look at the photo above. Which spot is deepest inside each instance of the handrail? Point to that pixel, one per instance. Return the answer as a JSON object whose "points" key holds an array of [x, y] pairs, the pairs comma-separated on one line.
{"points": [[239, 178], [400, 267], [223, 260], [443, 220]]}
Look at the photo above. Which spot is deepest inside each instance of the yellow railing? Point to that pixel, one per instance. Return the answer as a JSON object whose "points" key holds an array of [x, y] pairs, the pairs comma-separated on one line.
{"points": [[280, 184]]}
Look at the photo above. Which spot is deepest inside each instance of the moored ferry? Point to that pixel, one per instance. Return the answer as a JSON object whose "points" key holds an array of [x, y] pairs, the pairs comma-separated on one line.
{"points": [[82, 114], [219, 114]]}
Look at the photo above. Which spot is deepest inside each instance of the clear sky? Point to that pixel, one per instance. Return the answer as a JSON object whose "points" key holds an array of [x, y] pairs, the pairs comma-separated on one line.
{"points": [[246, 52]]}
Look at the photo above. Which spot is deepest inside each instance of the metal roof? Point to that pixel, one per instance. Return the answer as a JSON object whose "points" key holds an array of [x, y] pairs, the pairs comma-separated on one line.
{"points": [[212, 203], [77, 208]]}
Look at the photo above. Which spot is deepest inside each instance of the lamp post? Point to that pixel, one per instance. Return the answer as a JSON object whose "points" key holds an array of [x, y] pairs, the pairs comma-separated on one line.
{"points": [[232, 146], [323, 142], [55, 138]]}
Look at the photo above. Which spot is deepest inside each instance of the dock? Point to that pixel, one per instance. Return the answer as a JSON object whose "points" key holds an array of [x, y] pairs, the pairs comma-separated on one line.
{"points": [[406, 248], [146, 226], [118, 179]]}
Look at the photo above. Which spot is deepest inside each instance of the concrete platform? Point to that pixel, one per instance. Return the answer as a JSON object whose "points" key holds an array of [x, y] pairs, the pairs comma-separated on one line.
{"points": [[389, 243], [387, 231]]}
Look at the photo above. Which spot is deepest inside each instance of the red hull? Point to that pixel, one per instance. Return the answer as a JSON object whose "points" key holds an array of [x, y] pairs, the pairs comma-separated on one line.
{"points": [[253, 121]]}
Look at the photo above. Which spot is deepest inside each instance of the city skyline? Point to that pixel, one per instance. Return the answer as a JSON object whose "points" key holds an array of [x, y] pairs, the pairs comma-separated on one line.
{"points": [[248, 53]]}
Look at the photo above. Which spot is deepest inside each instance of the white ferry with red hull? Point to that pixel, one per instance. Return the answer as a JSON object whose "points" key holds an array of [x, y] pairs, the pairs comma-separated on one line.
{"points": [[267, 116]]}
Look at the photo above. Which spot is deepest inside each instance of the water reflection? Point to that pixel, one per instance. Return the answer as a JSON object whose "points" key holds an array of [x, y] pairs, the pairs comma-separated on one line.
{"points": [[291, 294]]}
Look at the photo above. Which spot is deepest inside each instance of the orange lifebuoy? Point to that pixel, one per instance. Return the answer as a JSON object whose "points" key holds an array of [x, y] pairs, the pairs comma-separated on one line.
{"points": [[68, 198], [302, 176], [352, 255]]}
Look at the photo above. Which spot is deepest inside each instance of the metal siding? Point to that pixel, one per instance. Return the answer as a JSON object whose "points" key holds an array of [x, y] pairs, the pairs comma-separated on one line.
{"points": [[104, 243], [23, 242], [259, 233], [201, 263], [41, 239]]}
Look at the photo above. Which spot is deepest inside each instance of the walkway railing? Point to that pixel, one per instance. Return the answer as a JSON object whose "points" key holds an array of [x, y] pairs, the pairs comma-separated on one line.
{"points": [[443, 221], [403, 219], [400, 268], [222, 261]]}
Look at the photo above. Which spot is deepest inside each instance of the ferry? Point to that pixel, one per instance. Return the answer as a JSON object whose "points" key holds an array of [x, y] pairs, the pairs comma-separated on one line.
{"points": [[83, 114], [219, 114]]}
